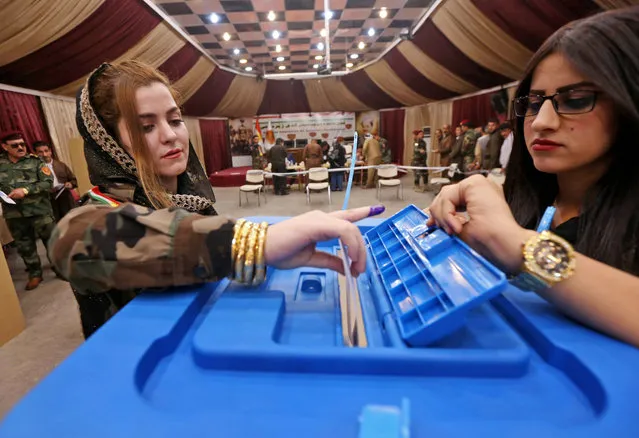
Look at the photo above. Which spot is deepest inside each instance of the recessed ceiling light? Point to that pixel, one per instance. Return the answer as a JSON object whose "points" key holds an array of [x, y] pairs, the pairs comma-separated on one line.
{"points": [[275, 34], [383, 13], [282, 67], [278, 48], [249, 68], [280, 58], [271, 16], [214, 18], [320, 46], [361, 45], [226, 36], [354, 56], [243, 61], [349, 64], [371, 32], [236, 51], [323, 33], [318, 57], [315, 65], [328, 14]]}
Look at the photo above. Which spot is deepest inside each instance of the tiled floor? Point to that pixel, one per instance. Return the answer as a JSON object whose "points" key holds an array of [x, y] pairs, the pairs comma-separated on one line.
{"points": [[53, 327]]}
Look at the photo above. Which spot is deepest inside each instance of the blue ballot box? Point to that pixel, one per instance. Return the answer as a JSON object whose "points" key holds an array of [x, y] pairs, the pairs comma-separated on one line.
{"points": [[430, 342]]}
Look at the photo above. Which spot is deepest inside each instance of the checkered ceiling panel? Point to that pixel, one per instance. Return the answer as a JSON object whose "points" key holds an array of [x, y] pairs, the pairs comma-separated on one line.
{"points": [[249, 30]]}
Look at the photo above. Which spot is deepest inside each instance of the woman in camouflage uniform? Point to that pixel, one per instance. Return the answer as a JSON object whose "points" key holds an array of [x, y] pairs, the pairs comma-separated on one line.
{"points": [[151, 222]]}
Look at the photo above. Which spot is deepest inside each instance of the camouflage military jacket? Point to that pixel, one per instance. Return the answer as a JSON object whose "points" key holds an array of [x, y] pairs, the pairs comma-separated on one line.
{"points": [[468, 149], [419, 153], [109, 252], [30, 173]]}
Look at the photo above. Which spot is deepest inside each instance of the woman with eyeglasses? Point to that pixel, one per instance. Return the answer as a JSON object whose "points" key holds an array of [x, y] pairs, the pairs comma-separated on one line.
{"points": [[577, 121]]}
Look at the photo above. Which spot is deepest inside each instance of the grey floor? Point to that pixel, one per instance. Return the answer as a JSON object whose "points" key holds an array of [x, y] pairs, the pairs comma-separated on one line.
{"points": [[53, 325]]}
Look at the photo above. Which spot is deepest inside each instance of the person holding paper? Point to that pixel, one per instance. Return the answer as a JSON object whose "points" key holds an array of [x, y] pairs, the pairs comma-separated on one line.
{"points": [[63, 180]]}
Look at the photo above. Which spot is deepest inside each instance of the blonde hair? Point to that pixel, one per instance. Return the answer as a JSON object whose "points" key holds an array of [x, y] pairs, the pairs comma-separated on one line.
{"points": [[113, 99]]}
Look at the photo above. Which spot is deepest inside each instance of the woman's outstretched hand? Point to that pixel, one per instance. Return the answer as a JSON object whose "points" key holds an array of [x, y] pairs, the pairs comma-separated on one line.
{"points": [[292, 243]]}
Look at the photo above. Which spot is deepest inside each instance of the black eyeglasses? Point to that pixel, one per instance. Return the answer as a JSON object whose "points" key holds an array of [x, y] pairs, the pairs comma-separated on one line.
{"points": [[18, 145], [565, 102]]}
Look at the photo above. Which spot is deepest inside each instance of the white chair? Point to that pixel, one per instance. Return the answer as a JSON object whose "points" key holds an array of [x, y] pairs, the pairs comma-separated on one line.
{"points": [[268, 179], [254, 184], [317, 182], [388, 178]]}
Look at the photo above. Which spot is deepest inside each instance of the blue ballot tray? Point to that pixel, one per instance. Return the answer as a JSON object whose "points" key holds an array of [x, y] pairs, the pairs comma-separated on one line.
{"points": [[227, 361]]}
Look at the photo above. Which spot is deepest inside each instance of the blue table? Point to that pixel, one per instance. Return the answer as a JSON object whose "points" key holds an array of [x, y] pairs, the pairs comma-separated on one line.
{"points": [[271, 363]]}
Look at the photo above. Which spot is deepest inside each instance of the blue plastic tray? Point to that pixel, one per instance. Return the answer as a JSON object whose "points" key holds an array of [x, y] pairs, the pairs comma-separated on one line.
{"points": [[431, 278]]}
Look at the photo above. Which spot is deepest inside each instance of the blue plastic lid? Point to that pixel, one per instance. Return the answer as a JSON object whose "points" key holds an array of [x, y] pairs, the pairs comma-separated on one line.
{"points": [[430, 278]]}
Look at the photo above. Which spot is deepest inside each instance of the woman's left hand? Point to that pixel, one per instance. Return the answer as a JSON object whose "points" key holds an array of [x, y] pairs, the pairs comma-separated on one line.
{"points": [[292, 243], [490, 228]]}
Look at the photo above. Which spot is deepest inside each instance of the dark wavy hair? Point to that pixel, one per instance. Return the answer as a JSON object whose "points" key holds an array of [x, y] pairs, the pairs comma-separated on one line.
{"points": [[605, 49]]}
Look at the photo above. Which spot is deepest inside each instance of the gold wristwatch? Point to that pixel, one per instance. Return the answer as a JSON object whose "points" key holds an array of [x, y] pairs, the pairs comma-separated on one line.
{"points": [[25, 190], [548, 260]]}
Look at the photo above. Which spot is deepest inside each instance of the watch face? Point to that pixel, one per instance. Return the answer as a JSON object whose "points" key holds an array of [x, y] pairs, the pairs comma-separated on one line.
{"points": [[551, 257]]}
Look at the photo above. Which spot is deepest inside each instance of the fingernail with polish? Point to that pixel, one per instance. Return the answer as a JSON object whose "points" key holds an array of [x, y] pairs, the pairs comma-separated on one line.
{"points": [[376, 209]]}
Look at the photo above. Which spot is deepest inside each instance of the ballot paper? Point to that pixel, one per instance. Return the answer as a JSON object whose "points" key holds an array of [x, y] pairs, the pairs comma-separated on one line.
{"points": [[350, 331], [6, 198]]}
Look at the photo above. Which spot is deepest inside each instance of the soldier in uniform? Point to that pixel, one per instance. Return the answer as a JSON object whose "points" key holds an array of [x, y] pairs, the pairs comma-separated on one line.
{"points": [[257, 154], [27, 180], [420, 156], [387, 156], [464, 154]]}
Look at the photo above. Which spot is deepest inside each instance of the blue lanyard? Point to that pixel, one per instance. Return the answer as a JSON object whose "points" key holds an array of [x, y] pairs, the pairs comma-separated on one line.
{"points": [[546, 219]]}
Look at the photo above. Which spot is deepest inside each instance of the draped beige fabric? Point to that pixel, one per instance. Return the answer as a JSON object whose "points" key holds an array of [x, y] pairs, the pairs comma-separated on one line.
{"points": [[481, 39], [36, 23], [243, 98], [440, 114], [155, 48], [60, 116], [613, 4], [330, 93], [433, 71], [383, 75], [195, 135], [415, 117], [188, 84]]}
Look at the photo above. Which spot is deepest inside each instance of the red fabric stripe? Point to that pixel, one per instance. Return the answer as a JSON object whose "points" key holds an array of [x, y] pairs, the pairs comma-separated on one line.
{"points": [[22, 112], [392, 129], [109, 32], [215, 145], [414, 79], [363, 87], [284, 97], [180, 62], [210, 94], [435, 44], [531, 23]]}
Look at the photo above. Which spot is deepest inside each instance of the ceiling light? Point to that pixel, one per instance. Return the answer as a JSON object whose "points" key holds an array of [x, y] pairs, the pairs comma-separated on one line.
{"points": [[315, 65], [243, 61], [275, 34], [226, 36], [282, 67], [214, 18], [249, 68], [383, 13], [361, 45], [318, 57], [320, 46], [236, 51], [271, 16], [328, 14], [371, 32], [323, 33], [354, 56], [280, 58], [278, 48], [349, 64]]}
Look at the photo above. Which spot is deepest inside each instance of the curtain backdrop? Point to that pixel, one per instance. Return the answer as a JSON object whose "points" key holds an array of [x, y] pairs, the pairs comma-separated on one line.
{"points": [[392, 129], [195, 135], [60, 117], [476, 109], [416, 118], [215, 144], [22, 112], [440, 113]]}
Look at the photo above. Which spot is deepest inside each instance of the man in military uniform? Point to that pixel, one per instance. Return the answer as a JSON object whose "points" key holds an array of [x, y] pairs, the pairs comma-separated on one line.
{"points": [[387, 156], [26, 180], [420, 157]]}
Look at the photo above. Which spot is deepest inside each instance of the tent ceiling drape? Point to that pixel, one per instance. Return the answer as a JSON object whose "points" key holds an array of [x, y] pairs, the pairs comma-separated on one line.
{"points": [[464, 46]]}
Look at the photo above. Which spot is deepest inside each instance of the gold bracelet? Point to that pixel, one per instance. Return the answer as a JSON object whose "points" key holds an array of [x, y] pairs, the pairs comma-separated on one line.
{"points": [[247, 276], [236, 237], [260, 265], [239, 259]]}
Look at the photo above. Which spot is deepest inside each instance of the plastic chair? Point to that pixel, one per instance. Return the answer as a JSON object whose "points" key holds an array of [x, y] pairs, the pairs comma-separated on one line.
{"points": [[317, 182], [254, 184], [388, 178]]}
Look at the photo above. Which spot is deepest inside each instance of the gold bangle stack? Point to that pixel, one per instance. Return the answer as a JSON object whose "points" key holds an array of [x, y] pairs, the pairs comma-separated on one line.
{"points": [[247, 252]]}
